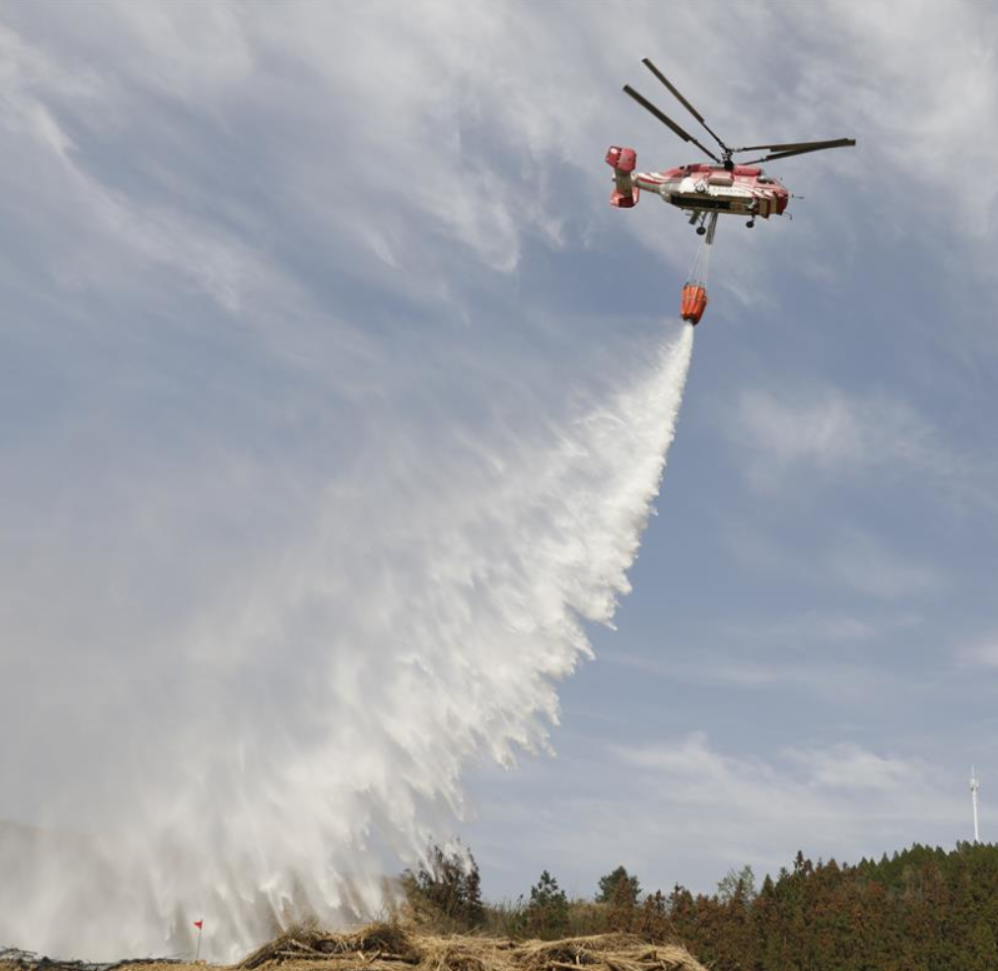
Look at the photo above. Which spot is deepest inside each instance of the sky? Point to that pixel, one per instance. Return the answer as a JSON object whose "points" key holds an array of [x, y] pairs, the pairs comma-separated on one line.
{"points": [[334, 398]]}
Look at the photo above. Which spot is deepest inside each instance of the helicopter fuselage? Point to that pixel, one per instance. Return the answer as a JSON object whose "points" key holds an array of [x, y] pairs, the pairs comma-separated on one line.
{"points": [[743, 190]]}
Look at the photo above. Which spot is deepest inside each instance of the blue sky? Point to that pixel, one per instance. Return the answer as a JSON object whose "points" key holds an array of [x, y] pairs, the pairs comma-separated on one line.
{"points": [[806, 658], [334, 395]]}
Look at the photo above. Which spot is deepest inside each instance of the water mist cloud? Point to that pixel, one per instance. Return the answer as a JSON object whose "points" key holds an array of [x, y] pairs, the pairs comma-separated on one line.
{"points": [[303, 512], [304, 730]]}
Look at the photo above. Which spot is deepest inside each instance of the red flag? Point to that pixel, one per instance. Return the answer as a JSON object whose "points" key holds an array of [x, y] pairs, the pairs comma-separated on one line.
{"points": [[199, 924]]}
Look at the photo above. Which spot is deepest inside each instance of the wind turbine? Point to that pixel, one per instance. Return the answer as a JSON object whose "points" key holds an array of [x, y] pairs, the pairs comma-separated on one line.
{"points": [[974, 786]]}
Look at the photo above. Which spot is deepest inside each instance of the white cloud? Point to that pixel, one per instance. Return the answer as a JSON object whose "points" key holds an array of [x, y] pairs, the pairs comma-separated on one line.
{"points": [[683, 809], [841, 800], [848, 767], [845, 557], [809, 672], [832, 433], [984, 653], [924, 118], [811, 626], [799, 782], [859, 560]]}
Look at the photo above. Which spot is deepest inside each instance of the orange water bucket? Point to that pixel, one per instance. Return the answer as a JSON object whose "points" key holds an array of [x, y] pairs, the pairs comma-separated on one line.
{"points": [[693, 303]]}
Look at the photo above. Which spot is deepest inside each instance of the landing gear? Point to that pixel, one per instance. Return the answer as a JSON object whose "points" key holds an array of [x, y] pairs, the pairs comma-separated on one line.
{"points": [[701, 230], [751, 224], [700, 217]]}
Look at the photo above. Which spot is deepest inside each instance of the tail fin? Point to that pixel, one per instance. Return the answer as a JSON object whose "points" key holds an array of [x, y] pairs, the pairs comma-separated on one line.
{"points": [[623, 161]]}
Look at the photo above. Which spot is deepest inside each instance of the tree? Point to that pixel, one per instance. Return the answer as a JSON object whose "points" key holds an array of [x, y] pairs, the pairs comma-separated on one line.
{"points": [[547, 912], [652, 919], [682, 913], [979, 950], [737, 883], [447, 888], [622, 906], [618, 886]]}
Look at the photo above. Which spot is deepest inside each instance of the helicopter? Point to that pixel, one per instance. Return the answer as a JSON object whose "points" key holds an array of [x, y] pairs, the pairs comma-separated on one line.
{"points": [[701, 189]]}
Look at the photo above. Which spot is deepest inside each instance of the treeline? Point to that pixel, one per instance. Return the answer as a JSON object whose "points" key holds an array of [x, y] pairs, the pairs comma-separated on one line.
{"points": [[923, 909]]}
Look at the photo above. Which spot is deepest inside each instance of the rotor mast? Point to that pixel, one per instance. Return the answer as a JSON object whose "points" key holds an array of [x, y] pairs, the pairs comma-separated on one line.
{"points": [[727, 152]]}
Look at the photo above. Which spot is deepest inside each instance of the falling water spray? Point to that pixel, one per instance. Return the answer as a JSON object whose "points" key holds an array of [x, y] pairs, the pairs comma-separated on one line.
{"points": [[307, 730]]}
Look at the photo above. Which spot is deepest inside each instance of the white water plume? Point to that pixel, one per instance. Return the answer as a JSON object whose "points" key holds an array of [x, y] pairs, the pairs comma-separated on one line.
{"points": [[303, 733], [306, 494]]}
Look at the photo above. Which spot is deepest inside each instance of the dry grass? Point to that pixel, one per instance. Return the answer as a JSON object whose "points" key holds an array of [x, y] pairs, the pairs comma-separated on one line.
{"points": [[390, 946]]}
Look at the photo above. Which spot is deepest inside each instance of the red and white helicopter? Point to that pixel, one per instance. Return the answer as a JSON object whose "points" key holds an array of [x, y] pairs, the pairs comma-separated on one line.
{"points": [[704, 190]]}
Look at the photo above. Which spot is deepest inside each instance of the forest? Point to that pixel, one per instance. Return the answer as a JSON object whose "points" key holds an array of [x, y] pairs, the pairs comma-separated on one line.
{"points": [[922, 909]]}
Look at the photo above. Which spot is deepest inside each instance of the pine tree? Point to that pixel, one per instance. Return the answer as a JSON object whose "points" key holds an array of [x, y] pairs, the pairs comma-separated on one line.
{"points": [[682, 913], [547, 913], [616, 886], [652, 921]]}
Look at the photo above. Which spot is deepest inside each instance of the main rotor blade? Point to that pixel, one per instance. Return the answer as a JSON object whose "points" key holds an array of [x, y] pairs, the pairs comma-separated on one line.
{"points": [[802, 149], [666, 120], [793, 146], [696, 114]]}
